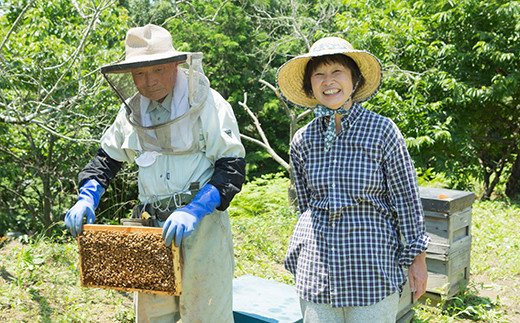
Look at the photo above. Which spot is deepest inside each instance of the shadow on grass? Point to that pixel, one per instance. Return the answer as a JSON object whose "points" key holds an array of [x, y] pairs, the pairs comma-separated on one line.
{"points": [[45, 309], [6, 275]]}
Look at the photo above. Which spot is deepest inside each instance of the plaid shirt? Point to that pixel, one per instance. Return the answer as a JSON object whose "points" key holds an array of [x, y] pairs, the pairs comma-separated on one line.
{"points": [[361, 217]]}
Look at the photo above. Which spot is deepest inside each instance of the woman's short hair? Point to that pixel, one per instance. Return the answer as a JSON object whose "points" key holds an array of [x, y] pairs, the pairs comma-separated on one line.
{"points": [[317, 61]]}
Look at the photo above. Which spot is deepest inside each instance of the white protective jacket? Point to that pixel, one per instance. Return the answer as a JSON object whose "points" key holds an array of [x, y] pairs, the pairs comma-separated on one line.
{"points": [[218, 137], [208, 253]]}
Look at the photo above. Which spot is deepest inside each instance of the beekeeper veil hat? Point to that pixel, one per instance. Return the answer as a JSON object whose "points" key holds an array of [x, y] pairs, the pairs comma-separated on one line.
{"points": [[148, 46]]}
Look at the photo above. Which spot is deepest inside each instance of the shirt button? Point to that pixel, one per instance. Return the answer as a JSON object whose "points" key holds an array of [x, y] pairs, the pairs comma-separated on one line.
{"points": [[333, 185]]}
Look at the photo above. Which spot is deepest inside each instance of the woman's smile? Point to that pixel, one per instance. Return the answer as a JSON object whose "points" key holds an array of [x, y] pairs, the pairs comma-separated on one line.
{"points": [[332, 85]]}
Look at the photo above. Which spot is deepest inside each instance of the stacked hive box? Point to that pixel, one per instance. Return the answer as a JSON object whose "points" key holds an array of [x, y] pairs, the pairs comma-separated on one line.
{"points": [[448, 223]]}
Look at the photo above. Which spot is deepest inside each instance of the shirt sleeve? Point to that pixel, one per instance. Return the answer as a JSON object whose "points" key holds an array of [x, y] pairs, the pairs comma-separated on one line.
{"points": [[102, 168], [111, 155], [404, 197], [298, 174], [220, 129], [223, 147]]}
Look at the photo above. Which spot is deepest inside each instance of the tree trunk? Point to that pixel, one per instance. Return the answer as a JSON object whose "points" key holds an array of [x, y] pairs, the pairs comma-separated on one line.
{"points": [[513, 183], [46, 175], [491, 167], [486, 194]]}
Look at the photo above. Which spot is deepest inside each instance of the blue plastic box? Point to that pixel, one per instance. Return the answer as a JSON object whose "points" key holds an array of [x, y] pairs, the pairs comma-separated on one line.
{"points": [[258, 300]]}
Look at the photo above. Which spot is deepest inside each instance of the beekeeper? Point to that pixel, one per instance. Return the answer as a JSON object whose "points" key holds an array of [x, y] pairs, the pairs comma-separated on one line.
{"points": [[184, 137]]}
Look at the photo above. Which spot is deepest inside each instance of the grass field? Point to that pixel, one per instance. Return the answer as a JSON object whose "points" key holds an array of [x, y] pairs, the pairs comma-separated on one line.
{"points": [[39, 278]]}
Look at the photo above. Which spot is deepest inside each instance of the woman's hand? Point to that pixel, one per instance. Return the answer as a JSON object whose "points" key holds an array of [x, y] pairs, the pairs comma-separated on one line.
{"points": [[418, 276]]}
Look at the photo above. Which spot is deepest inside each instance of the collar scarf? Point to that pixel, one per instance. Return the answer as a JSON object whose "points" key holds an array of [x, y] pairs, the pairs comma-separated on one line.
{"points": [[330, 134], [323, 111]]}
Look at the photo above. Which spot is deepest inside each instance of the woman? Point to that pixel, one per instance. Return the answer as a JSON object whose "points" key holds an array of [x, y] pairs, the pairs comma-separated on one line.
{"points": [[360, 214]]}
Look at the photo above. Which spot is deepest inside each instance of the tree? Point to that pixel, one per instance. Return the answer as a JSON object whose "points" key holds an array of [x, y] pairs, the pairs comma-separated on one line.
{"points": [[451, 81], [478, 81], [53, 103]]}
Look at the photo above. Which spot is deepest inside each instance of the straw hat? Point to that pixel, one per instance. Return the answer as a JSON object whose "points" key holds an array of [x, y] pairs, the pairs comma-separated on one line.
{"points": [[290, 74], [145, 46]]}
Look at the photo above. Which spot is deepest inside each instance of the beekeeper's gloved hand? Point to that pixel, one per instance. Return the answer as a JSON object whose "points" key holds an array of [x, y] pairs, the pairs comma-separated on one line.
{"points": [[183, 221], [88, 199]]}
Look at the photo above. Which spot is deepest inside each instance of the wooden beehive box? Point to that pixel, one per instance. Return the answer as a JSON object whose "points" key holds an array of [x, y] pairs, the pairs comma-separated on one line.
{"points": [[128, 258], [448, 223], [449, 273]]}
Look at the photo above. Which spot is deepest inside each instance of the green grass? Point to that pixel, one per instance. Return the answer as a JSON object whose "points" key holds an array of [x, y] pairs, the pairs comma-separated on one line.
{"points": [[39, 278], [496, 242], [262, 224], [40, 282]]}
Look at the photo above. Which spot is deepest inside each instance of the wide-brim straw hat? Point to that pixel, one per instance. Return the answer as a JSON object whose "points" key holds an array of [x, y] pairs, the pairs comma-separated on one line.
{"points": [[290, 75], [146, 46]]}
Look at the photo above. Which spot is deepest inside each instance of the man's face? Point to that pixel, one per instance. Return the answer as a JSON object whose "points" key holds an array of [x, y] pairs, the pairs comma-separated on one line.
{"points": [[157, 81]]}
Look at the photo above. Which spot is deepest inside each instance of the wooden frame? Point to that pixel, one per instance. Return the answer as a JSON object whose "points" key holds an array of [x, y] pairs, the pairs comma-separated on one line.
{"points": [[125, 234]]}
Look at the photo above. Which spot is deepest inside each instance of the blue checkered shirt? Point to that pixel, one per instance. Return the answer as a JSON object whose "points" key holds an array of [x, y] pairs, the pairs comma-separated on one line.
{"points": [[361, 218]]}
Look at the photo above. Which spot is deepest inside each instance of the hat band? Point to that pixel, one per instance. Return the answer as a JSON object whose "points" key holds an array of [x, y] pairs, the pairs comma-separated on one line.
{"points": [[127, 66]]}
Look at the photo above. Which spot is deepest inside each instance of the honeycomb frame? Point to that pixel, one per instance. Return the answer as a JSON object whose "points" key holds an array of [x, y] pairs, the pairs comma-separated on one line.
{"points": [[128, 258]]}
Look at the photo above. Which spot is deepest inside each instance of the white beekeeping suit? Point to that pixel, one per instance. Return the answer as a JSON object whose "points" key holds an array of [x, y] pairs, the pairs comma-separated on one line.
{"points": [[190, 167]]}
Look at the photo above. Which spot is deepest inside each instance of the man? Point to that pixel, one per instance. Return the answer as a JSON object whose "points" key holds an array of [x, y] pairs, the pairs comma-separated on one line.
{"points": [[184, 137]]}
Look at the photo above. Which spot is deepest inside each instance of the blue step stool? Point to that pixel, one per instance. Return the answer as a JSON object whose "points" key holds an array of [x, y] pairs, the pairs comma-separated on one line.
{"points": [[258, 300]]}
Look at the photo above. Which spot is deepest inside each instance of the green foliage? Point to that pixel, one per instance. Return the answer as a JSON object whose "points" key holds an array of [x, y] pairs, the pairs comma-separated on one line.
{"points": [[478, 80], [53, 103], [470, 306], [428, 177], [467, 305], [265, 194], [144, 12]]}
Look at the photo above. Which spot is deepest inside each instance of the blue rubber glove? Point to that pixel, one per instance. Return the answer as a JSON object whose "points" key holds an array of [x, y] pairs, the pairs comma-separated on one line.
{"points": [[88, 200], [183, 221]]}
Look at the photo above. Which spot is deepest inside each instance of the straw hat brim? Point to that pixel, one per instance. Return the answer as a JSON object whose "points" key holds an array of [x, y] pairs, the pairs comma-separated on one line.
{"points": [[290, 76]]}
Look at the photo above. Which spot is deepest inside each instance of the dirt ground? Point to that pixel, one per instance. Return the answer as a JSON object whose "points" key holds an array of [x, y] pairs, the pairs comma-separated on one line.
{"points": [[505, 292]]}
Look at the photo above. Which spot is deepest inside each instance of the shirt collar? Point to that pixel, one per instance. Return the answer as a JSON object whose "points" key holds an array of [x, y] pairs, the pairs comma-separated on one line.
{"points": [[166, 104], [356, 110]]}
